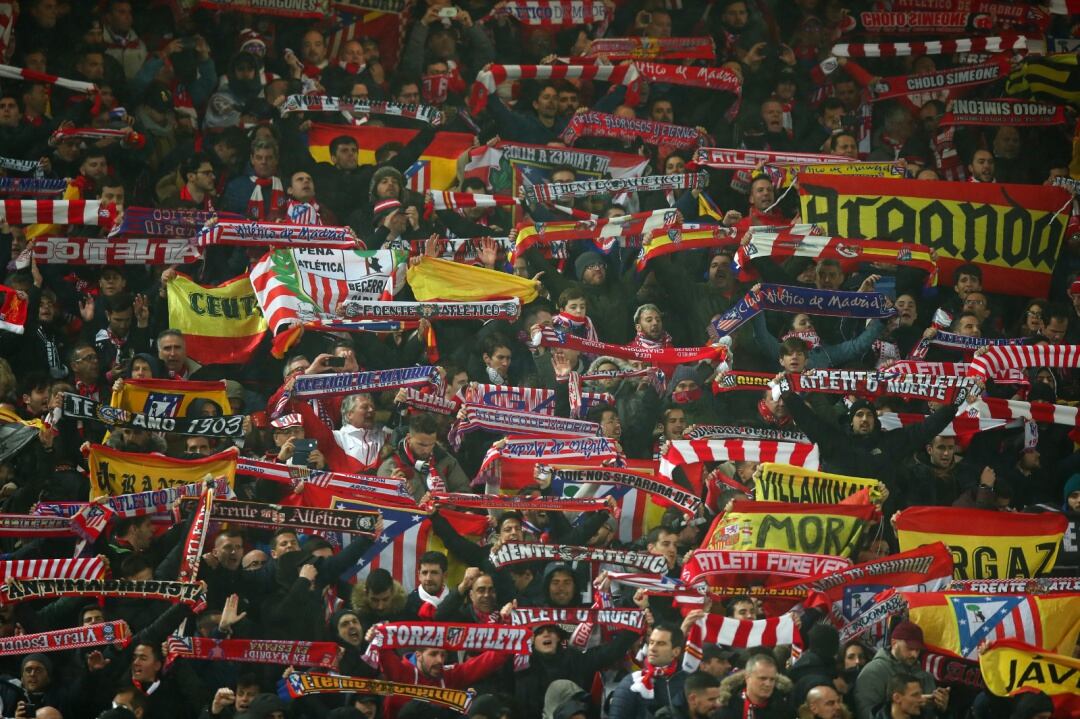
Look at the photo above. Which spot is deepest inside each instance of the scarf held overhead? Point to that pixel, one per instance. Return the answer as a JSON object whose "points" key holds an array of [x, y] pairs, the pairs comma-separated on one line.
{"points": [[317, 385], [602, 124], [552, 191], [298, 685], [324, 655], [305, 519], [361, 106], [516, 552], [668, 491], [261, 234], [489, 79], [87, 409], [116, 634]]}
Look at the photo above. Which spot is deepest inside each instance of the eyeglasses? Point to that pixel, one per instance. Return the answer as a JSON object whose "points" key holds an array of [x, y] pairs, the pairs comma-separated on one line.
{"points": [[87, 357], [1035, 315]]}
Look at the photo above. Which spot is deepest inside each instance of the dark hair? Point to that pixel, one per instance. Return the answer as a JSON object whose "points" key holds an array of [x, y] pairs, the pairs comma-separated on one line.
{"points": [[473, 183], [492, 342], [423, 423], [654, 534], [339, 141], [833, 140], [378, 581], [700, 681], [32, 381], [962, 315], [119, 302], [899, 682], [190, 164], [1057, 311], [737, 599], [793, 345], [596, 413], [509, 514], [434, 558], [133, 564], [968, 269], [677, 637], [248, 679], [570, 293]]}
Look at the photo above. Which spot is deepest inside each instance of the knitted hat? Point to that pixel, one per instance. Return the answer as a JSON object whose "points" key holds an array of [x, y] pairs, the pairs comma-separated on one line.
{"points": [[41, 659], [1072, 484], [252, 42], [384, 208], [380, 174], [586, 260]]}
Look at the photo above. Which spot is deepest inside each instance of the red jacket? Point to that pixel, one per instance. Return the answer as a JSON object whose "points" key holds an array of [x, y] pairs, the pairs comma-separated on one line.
{"points": [[455, 676]]}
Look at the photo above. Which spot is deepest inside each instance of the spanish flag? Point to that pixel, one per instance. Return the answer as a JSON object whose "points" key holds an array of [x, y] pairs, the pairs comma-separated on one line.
{"points": [[442, 153], [985, 544], [433, 279], [831, 529], [1010, 667], [113, 472], [168, 397], [957, 624], [674, 239], [222, 325]]}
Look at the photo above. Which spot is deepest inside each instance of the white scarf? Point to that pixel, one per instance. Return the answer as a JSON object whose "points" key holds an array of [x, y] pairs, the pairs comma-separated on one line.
{"points": [[432, 598]]}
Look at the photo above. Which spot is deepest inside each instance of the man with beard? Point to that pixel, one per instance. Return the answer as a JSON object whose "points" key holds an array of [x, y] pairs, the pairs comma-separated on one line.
{"points": [[223, 109], [902, 657], [421, 463], [34, 687], [694, 301], [348, 632]]}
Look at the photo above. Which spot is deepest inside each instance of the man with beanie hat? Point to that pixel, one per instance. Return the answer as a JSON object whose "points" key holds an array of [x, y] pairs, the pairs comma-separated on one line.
{"points": [[610, 298], [34, 686], [902, 657], [817, 665]]}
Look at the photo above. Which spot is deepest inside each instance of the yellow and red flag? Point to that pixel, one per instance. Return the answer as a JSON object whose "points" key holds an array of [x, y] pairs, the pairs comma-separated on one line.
{"points": [[222, 324], [168, 397], [442, 153], [114, 472], [1010, 667], [957, 623], [832, 529], [985, 544]]}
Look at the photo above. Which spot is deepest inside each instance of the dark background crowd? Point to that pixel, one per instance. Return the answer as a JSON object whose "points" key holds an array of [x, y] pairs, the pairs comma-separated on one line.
{"points": [[203, 89]]}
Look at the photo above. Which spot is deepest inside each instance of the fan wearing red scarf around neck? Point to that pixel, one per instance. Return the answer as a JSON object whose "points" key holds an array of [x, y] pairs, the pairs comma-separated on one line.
{"points": [[572, 316]]}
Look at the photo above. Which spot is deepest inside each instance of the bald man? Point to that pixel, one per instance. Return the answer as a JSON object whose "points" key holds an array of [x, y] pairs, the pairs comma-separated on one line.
{"points": [[822, 702]]}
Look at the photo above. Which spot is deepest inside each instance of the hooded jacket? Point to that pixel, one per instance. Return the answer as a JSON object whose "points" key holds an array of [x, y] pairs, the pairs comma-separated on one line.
{"points": [[668, 695], [731, 699]]}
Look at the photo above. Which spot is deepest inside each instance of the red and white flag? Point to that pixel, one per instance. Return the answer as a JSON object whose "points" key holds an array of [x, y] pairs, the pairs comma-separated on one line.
{"points": [[681, 452]]}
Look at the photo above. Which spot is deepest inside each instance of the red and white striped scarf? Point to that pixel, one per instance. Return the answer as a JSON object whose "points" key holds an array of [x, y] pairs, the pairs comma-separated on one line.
{"points": [[255, 234], [361, 106], [527, 399], [681, 452], [79, 568], [644, 679], [440, 200], [116, 633], [723, 158], [256, 207], [653, 48], [998, 359], [488, 80], [739, 633], [55, 212], [304, 213], [127, 137], [1005, 42], [578, 326], [961, 425], [1014, 409], [552, 191], [11, 72]]}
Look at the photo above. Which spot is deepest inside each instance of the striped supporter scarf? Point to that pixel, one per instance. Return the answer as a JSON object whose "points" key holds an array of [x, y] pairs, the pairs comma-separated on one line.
{"points": [[128, 138], [317, 385], [324, 655], [554, 337], [14, 164], [11, 72], [508, 421], [79, 568], [728, 431], [29, 526], [681, 452], [1014, 409], [349, 486], [605, 233], [258, 234], [551, 191], [651, 132], [429, 402], [553, 13], [361, 106], [652, 48], [712, 78], [1005, 42], [488, 80], [997, 359], [738, 633], [449, 636], [116, 634], [519, 503], [298, 685], [961, 426], [444, 200], [781, 245], [58, 212], [723, 158], [529, 399]]}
